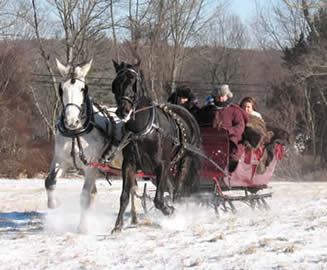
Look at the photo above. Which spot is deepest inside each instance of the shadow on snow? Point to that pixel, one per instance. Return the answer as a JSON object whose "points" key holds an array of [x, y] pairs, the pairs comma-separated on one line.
{"points": [[21, 221]]}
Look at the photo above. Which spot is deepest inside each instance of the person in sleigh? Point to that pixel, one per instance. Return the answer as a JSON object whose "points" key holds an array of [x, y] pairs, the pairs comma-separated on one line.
{"points": [[184, 97], [260, 138], [224, 114]]}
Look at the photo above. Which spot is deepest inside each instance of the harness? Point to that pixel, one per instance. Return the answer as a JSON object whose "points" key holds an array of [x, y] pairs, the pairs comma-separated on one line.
{"points": [[177, 132], [87, 114], [88, 124], [177, 135], [135, 99], [152, 124]]}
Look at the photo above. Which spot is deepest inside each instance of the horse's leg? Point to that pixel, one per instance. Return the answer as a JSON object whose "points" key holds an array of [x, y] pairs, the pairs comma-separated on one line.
{"points": [[170, 187], [129, 181], [162, 185], [182, 178], [133, 206], [50, 184], [87, 197], [94, 192]]}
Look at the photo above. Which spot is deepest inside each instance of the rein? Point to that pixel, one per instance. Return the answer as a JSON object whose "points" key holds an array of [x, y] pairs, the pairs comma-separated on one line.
{"points": [[87, 125], [144, 109], [81, 152], [75, 134]]}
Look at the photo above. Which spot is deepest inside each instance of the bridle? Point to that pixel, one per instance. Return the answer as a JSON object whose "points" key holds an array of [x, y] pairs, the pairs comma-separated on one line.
{"points": [[85, 113], [65, 106], [134, 99]]}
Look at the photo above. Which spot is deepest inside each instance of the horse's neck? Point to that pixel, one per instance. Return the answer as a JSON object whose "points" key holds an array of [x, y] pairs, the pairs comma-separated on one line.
{"points": [[143, 115], [144, 101]]}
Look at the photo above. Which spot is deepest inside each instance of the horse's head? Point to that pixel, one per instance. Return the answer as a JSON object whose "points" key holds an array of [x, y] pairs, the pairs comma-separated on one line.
{"points": [[73, 93], [127, 88]]}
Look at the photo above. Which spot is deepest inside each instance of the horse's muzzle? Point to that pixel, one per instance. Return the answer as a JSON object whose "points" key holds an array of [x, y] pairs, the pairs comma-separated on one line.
{"points": [[72, 125], [124, 110]]}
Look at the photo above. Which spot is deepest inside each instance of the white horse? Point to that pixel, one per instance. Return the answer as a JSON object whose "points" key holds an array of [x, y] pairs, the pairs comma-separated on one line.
{"points": [[83, 134]]}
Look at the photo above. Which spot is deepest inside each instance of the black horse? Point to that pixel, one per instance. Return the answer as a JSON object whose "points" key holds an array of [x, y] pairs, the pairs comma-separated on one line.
{"points": [[156, 137]]}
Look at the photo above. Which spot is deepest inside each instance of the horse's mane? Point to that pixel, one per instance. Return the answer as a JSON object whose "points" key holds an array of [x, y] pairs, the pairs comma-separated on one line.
{"points": [[143, 85]]}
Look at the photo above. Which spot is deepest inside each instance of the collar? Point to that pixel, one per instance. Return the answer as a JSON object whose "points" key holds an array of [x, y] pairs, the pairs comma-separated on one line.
{"points": [[152, 123], [87, 125], [220, 105]]}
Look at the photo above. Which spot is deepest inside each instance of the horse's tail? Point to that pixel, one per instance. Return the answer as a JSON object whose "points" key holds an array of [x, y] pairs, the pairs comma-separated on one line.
{"points": [[193, 173]]}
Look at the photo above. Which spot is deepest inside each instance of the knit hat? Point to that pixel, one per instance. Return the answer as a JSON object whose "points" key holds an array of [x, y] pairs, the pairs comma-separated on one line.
{"points": [[209, 100], [183, 92], [221, 91]]}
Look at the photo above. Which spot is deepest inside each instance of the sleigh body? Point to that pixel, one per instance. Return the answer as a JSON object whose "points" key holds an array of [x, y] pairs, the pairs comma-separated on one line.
{"points": [[215, 145]]}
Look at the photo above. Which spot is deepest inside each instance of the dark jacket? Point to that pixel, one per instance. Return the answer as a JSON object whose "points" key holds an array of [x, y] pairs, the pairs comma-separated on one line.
{"points": [[184, 92]]}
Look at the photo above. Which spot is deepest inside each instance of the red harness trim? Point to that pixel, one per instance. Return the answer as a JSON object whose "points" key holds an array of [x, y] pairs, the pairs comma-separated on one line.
{"points": [[279, 151]]}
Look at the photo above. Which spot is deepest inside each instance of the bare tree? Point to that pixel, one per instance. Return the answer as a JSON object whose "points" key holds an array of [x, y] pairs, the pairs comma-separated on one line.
{"points": [[161, 30], [114, 36], [186, 19], [80, 25], [297, 30], [149, 35], [11, 27], [82, 21], [224, 40], [278, 25]]}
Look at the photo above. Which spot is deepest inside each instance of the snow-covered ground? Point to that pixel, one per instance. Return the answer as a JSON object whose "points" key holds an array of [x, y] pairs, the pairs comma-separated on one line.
{"points": [[292, 235]]}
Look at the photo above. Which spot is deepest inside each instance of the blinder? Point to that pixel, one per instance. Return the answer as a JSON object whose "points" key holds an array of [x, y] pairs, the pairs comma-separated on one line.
{"points": [[119, 88], [60, 91], [83, 108], [85, 91]]}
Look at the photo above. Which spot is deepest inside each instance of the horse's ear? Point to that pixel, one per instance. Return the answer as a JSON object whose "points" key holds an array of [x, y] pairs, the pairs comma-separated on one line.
{"points": [[60, 90], [116, 65], [86, 90], [142, 75], [113, 87], [85, 69], [63, 70], [136, 67]]}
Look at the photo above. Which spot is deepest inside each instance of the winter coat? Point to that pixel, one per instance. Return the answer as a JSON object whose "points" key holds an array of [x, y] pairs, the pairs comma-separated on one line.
{"points": [[191, 105], [205, 115], [233, 120], [256, 133]]}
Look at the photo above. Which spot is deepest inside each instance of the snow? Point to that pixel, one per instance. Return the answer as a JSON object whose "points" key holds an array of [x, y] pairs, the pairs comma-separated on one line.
{"points": [[291, 235]]}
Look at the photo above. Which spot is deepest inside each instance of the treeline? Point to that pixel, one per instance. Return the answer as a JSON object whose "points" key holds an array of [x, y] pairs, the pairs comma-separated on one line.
{"points": [[24, 149]]}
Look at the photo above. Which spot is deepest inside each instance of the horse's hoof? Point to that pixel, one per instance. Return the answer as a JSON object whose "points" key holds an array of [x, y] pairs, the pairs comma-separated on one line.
{"points": [[134, 221], [177, 198], [52, 204], [82, 229], [116, 230], [168, 210]]}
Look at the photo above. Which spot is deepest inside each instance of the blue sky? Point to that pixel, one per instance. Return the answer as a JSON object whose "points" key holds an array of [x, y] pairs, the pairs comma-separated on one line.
{"points": [[244, 8]]}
